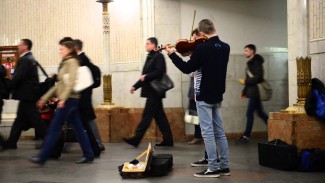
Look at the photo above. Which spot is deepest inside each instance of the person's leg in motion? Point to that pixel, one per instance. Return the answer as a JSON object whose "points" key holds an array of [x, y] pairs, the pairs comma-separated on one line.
{"points": [[81, 133], [16, 128], [147, 116], [53, 134], [2, 141], [163, 125], [94, 129], [90, 135], [260, 111], [34, 117], [249, 121]]}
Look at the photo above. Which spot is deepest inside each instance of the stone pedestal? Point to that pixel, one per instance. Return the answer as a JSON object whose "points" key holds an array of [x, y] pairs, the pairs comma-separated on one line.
{"points": [[297, 129], [114, 124]]}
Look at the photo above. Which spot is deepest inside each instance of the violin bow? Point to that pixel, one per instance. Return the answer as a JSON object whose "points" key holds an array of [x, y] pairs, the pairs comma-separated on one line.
{"points": [[193, 25]]}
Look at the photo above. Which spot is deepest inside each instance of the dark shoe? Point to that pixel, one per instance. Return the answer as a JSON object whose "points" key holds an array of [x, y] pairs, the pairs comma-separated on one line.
{"points": [[243, 140], [207, 174], [38, 144], [84, 160], [102, 148], [165, 144], [2, 142], [36, 160], [6, 146], [131, 141], [201, 163], [224, 172]]}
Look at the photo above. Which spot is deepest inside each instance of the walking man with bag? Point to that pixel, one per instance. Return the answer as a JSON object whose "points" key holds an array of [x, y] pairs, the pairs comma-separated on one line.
{"points": [[254, 76], [25, 85], [154, 68]]}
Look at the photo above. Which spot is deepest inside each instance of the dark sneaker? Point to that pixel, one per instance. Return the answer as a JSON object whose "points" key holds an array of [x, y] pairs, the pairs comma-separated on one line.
{"points": [[208, 174], [224, 172], [243, 140], [201, 163]]}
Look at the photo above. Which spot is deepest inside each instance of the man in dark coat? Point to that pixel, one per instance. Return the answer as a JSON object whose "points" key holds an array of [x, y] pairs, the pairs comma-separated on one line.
{"points": [[255, 67], [25, 85], [154, 68]]}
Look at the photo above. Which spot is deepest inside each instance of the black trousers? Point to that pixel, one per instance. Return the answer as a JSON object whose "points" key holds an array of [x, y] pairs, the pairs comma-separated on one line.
{"points": [[27, 117], [2, 141], [254, 104], [154, 110]]}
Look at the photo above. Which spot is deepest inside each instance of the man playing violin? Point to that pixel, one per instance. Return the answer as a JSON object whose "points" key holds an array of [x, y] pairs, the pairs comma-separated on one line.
{"points": [[210, 60]]}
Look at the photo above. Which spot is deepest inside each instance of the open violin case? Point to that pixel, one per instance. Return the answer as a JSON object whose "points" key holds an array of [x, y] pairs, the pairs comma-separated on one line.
{"points": [[154, 165]]}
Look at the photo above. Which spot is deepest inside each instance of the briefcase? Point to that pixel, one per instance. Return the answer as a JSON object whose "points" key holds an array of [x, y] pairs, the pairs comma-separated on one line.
{"points": [[278, 155]]}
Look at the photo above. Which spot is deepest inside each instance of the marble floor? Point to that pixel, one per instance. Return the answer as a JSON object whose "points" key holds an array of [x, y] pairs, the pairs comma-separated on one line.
{"points": [[15, 167]]}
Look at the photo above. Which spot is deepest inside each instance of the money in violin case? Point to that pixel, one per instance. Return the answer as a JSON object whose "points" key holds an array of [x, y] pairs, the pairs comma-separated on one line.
{"points": [[161, 164], [136, 169]]}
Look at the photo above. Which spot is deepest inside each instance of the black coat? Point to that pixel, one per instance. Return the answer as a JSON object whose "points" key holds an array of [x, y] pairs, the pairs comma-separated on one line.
{"points": [[210, 59], [85, 102], [154, 68], [255, 66], [3, 87], [25, 81]]}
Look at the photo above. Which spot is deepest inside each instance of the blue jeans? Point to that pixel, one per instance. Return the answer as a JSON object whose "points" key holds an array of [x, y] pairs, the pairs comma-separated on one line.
{"points": [[213, 133], [70, 112], [254, 104]]}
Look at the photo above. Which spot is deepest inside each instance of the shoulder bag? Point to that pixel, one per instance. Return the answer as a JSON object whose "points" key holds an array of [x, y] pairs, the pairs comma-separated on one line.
{"points": [[264, 88]]}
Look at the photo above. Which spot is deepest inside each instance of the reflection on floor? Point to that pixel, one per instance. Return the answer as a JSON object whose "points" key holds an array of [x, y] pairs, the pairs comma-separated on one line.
{"points": [[15, 167]]}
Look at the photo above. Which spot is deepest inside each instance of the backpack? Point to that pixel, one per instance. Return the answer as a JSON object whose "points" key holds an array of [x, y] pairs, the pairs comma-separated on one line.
{"points": [[320, 104], [95, 71], [315, 102], [312, 160]]}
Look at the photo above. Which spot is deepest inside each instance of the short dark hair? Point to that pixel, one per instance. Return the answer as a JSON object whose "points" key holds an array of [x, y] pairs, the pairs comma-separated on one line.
{"points": [[78, 43], [153, 40], [69, 43], [196, 32], [65, 39], [251, 47], [206, 26], [28, 43]]}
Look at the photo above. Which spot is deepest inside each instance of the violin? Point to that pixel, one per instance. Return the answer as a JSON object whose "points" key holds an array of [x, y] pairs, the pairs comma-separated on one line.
{"points": [[184, 46]]}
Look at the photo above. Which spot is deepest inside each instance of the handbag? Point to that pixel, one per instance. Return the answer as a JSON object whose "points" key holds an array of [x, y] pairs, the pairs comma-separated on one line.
{"points": [[84, 79], [264, 88], [190, 119], [162, 84], [47, 83]]}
